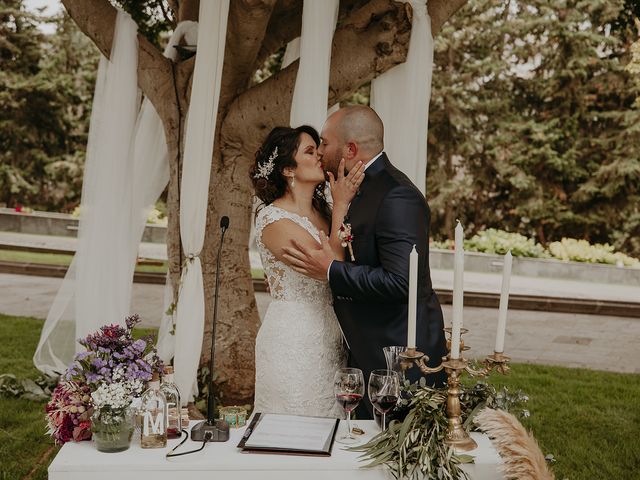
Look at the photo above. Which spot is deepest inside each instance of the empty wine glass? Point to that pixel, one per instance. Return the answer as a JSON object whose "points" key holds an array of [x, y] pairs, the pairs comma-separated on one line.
{"points": [[384, 391], [348, 385]]}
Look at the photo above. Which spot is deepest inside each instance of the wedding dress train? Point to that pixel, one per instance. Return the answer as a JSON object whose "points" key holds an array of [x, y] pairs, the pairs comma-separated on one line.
{"points": [[299, 346]]}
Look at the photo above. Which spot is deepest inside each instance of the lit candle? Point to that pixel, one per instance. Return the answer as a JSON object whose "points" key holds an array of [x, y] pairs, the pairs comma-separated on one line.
{"points": [[413, 298], [504, 302], [458, 292]]}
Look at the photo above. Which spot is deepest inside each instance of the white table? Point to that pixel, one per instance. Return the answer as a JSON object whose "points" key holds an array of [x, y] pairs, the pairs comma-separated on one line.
{"points": [[81, 461]]}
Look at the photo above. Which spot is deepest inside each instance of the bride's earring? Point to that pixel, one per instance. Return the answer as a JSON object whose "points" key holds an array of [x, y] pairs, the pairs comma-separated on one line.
{"points": [[293, 181]]}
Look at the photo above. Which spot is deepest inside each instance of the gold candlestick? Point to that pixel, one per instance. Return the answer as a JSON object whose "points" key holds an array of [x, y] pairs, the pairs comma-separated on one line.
{"points": [[457, 436]]}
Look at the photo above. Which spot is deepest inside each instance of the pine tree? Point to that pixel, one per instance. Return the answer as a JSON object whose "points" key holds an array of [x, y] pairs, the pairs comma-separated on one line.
{"points": [[46, 85], [546, 137]]}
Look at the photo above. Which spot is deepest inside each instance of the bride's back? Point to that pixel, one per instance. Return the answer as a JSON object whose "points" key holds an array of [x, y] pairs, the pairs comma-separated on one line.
{"points": [[284, 282]]}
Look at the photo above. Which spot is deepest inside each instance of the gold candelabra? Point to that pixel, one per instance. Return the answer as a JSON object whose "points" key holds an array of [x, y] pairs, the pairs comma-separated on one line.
{"points": [[454, 368]]}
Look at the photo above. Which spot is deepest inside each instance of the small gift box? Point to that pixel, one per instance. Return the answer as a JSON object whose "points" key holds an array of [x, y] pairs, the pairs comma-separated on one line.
{"points": [[235, 416]]}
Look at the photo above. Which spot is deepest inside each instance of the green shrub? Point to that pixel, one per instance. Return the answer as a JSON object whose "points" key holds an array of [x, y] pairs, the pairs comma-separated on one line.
{"points": [[581, 251], [500, 242]]}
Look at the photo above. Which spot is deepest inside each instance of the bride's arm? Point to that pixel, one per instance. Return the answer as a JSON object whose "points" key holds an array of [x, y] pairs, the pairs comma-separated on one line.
{"points": [[281, 233], [343, 189]]}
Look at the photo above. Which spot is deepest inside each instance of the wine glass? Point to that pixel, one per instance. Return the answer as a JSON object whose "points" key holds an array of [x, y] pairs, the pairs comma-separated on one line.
{"points": [[384, 391], [348, 385]]}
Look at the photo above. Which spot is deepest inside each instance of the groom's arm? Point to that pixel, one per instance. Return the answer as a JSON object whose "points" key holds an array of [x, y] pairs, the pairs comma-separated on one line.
{"points": [[402, 222]]}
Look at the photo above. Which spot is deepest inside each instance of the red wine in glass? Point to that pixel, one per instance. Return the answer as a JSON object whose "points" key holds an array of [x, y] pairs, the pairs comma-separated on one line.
{"points": [[348, 401], [384, 403], [384, 391], [348, 386]]}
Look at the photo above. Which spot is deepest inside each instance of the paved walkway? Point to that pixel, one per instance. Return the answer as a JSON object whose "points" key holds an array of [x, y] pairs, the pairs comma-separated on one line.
{"points": [[442, 279], [573, 340]]}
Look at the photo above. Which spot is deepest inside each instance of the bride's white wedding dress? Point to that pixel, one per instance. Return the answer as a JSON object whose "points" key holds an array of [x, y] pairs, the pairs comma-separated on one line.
{"points": [[299, 346]]}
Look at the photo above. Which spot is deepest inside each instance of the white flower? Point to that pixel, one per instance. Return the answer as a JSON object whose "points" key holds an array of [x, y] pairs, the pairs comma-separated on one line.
{"points": [[113, 395]]}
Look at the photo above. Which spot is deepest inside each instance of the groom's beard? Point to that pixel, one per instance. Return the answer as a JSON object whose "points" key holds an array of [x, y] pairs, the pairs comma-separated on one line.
{"points": [[331, 165]]}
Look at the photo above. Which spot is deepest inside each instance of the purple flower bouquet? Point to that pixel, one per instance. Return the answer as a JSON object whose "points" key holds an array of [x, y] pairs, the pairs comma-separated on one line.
{"points": [[112, 355]]}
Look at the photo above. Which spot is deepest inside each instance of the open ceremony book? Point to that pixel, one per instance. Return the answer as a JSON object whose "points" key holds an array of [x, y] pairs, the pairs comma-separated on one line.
{"points": [[289, 434]]}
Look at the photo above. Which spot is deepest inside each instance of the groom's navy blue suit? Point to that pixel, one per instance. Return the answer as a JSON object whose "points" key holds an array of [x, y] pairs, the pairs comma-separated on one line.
{"points": [[388, 217]]}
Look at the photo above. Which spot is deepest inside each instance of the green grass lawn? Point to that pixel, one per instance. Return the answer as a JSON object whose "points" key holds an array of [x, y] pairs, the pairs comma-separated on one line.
{"points": [[65, 260], [589, 421]]}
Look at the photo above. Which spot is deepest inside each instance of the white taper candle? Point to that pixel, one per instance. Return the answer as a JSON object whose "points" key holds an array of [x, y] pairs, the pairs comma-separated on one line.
{"points": [[504, 302], [413, 298], [458, 292]]}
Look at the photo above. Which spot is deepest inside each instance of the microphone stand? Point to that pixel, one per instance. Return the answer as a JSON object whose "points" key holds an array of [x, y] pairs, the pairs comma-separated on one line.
{"points": [[213, 430]]}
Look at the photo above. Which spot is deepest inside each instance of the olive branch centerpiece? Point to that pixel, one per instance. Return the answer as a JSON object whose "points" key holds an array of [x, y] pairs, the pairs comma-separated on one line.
{"points": [[415, 448]]}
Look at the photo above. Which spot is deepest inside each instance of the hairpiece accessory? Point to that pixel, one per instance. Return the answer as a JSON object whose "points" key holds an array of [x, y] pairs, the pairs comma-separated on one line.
{"points": [[265, 170]]}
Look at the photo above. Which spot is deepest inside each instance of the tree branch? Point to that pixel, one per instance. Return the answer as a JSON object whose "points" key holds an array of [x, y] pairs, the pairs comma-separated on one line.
{"points": [[440, 11], [97, 19], [286, 23], [361, 51], [247, 25], [188, 10]]}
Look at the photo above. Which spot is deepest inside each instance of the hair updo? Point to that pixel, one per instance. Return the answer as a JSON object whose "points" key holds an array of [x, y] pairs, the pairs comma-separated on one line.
{"points": [[287, 141]]}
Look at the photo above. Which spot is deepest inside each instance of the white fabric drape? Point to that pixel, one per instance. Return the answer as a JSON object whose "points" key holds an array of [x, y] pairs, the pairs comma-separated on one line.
{"points": [[95, 290], [166, 336], [195, 187], [136, 180], [311, 92], [401, 97]]}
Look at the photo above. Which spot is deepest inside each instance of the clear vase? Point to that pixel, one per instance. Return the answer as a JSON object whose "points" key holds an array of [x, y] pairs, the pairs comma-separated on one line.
{"points": [[112, 430]]}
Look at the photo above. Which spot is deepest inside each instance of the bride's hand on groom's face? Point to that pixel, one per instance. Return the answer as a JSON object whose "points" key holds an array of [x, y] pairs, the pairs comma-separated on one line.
{"points": [[312, 262], [344, 188]]}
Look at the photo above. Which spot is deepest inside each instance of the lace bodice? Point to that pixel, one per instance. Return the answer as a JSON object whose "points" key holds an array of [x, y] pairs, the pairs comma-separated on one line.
{"points": [[284, 282]]}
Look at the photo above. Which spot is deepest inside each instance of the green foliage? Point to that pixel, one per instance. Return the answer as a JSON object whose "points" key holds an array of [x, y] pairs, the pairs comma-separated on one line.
{"points": [[46, 91], [482, 395], [154, 17], [532, 125], [581, 251], [39, 389], [500, 242], [415, 448], [45, 97]]}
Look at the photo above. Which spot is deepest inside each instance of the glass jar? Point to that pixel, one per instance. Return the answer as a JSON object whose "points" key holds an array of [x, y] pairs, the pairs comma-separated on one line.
{"points": [[112, 430]]}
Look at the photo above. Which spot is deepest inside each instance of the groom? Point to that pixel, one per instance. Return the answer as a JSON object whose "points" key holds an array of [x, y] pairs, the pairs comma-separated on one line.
{"points": [[388, 217]]}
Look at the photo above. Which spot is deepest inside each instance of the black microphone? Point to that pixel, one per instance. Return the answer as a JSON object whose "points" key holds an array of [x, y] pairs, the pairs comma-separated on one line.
{"points": [[211, 429]]}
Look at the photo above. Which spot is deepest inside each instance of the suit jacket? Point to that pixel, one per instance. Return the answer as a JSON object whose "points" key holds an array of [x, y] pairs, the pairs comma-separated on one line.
{"points": [[388, 217]]}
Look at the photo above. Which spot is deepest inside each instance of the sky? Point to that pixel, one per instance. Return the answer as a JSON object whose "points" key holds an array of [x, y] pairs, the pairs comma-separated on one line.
{"points": [[52, 6]]}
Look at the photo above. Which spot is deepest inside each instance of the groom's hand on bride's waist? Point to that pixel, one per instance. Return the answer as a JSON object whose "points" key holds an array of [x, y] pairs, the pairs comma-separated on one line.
{"points": [[312, 262]]}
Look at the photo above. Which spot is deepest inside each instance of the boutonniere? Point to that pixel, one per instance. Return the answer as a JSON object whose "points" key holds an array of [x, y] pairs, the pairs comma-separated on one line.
{"points": [[345, 236]]}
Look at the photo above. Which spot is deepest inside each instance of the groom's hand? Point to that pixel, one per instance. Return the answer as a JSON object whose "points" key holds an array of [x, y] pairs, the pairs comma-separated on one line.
{"points": [[312, 262]]}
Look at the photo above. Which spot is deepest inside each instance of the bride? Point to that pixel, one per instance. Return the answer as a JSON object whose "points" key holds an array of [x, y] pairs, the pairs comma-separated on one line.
{"points": [[299, 345]]}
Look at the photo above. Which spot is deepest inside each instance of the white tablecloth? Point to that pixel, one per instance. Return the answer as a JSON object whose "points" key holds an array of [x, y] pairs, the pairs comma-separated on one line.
{"points": [[81, 461]]}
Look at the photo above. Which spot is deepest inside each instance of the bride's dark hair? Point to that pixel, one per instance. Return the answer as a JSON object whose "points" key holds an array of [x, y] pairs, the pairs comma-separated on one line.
{"points": [[269, 187]]}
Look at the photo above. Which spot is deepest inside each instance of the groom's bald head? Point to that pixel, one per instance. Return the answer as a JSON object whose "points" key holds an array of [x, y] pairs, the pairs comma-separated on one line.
{"points": [[354, 133], [362, 125]]}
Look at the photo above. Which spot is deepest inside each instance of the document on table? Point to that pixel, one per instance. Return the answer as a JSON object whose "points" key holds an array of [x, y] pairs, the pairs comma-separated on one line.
{"points": [[290, 433]]}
